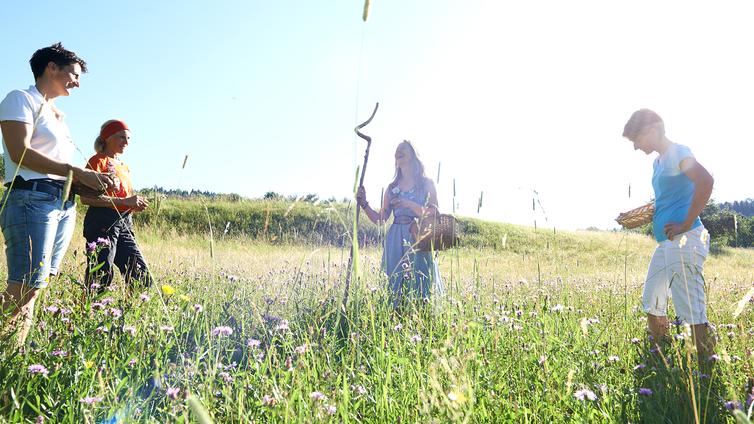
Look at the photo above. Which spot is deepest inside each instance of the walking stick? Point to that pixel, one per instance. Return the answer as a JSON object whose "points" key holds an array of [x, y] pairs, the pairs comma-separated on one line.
{"points": [[358, 211]]}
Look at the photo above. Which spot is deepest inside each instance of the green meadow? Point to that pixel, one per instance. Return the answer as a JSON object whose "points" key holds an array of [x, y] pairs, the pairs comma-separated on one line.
{"points": [[246, 323]]}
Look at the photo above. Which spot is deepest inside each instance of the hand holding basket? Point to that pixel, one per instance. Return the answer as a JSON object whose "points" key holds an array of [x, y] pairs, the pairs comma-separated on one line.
{"points": [[637, 217]]}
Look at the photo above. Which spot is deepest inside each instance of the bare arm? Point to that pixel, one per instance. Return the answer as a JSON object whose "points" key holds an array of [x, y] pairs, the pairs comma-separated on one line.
{"points": [[17, 137], [703, 183], [135, 202], [374, 216]]}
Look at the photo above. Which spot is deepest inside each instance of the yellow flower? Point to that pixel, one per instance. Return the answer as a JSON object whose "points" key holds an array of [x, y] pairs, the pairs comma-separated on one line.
{"points": [[167, 290], [88, 364], [184, 298]]}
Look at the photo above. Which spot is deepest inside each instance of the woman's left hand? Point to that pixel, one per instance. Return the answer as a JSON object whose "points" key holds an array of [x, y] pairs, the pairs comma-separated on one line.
{"points": [[672, 229]]}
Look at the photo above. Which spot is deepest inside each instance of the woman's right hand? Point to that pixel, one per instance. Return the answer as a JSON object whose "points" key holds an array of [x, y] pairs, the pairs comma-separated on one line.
{"points": [[361, 197], [94, 180]]}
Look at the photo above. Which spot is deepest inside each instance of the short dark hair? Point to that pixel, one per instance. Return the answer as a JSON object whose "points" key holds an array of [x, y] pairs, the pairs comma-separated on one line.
{"points": [[56, 54], [641, 119]]}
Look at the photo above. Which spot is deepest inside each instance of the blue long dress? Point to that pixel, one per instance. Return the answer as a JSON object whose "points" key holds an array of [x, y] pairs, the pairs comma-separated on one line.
{"points": [[408, 271]]}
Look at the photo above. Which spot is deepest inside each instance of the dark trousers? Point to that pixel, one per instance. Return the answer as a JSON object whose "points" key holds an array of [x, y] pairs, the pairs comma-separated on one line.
{"points": [[122, 251]]}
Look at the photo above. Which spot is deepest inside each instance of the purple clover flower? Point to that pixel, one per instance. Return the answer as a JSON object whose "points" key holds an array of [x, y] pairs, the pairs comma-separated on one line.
{"points": [[222, 331], [38, 369], [585, 394], [90, 400]]}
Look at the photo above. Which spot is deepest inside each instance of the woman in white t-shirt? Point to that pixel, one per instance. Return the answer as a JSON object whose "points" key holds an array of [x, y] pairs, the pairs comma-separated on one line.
{"points": [[37, 222]]}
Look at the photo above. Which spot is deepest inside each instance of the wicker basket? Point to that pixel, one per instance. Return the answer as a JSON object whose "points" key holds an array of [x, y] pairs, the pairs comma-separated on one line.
{"points": [[438, 233], [637, 217]]}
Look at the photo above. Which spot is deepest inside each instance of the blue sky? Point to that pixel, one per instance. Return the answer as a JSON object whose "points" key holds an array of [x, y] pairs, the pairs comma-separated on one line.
{"points": [[511, 98]]}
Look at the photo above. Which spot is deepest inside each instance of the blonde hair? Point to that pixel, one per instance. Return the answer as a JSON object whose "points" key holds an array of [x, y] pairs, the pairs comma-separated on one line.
{"points": [[99, 143]]}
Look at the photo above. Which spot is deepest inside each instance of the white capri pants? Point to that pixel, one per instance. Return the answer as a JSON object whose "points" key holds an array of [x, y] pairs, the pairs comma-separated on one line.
{"points": [[676, 270]]}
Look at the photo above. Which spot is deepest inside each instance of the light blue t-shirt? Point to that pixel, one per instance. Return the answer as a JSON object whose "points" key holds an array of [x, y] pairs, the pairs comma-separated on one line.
{"points": [[673, 190]]}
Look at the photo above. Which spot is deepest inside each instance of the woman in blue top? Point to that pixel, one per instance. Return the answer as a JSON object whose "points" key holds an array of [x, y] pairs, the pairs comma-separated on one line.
{"points": [[410, 197], [682, 188]]}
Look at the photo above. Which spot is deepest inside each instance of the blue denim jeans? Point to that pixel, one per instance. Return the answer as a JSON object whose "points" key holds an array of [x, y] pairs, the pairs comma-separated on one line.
{"points": [[37, 232]]}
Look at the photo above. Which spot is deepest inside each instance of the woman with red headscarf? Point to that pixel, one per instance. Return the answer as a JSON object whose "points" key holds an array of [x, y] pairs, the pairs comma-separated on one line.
{"points": [[108, 224]]}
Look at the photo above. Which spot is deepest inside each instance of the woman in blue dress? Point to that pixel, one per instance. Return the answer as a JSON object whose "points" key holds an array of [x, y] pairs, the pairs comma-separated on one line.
{"points": [[410, 197]]}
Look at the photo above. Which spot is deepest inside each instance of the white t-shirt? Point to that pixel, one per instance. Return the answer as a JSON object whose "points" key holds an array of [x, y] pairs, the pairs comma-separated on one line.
{"points": [[51, 136]]}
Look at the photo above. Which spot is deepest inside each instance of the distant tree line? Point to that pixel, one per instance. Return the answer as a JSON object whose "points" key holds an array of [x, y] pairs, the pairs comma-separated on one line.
{"points": [[743, 207]]}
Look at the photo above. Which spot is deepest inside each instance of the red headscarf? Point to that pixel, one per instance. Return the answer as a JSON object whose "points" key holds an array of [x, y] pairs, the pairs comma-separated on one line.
{"points": [[113, 127]]}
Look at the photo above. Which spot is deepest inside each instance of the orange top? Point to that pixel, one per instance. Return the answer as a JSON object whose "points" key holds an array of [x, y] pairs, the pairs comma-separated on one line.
{"points": [[122, 175]]}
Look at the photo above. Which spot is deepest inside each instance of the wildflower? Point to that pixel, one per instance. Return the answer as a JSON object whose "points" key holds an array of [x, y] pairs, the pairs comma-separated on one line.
{"points": [[198, 308], [130, 329], [173, 392], [144, 297], [317, 396], [268, 400], [557, 308], [331, 409], [283, 326], [359, 389], [704, 236], [40, 419], [167, 290], [132, 362], [635, 340], [107, 301], [398, 327], [166, 328], [101, 330], [222, 331], [714, 357], [90, 400], [613, 358], [542, 360], [253, 343], [732, 404], [59, 353], [98, 305], [101, 241], [91, 246], [456, 396], [184, 298], [38, 369], [639, 367], [289, 363], [302, 349], [88, 364], [584, 394], [643, 391], [115, 313], [416, 338], [51, 309]]}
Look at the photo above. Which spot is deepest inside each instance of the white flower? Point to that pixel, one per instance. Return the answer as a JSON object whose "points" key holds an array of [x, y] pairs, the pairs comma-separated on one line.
{"points": [[705, 236]]}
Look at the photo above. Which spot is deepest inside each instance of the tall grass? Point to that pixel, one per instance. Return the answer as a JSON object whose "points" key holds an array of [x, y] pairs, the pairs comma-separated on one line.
{"points": [[530, 331]]}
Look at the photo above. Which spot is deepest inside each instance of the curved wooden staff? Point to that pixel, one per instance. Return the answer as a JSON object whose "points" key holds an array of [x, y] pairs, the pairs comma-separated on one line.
{"points": [[358, 211]]}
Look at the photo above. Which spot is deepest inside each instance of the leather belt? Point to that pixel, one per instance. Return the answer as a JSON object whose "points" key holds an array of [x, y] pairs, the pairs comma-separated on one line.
{"points": [[403, 219], [49, 186]]}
